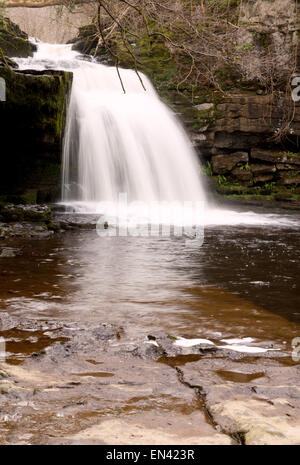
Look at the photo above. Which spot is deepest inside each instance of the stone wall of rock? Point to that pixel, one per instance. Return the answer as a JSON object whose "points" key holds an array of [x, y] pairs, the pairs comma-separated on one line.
{"points": [[32, 124], [243, 121], [249, 138], [238, 143], [246, 123], [32, 115]]}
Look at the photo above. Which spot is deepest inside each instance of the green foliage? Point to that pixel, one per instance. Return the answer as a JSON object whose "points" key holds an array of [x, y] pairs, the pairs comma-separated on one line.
{"points": [[269, 185], [207, 169], [244, 166], [222, 180], [147, 53]]}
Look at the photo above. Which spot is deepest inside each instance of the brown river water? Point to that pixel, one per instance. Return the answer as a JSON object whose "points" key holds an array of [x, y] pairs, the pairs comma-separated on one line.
{"points": [[243, 282]]}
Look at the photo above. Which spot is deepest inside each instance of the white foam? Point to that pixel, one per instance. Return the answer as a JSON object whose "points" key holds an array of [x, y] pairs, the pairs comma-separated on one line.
{"points": [[182, 342], [243, 340], [246, 349]]}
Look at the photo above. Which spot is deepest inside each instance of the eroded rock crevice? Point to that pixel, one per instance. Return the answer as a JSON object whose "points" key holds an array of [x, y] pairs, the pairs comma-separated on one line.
{"points": [[200, 394]]}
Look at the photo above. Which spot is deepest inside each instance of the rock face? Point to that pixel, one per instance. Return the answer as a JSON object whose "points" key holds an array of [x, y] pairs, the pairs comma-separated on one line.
{"points": [[51, 24], [32, 113], [240, 144], [267, 26], [86, 42], [252, 118], [244, 121], [32, 123], [223, 164], [258, 166]]}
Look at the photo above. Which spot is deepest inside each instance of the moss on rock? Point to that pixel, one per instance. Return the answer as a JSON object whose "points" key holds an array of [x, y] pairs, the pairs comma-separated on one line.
{"points": [[33, 120], [13, 41]]}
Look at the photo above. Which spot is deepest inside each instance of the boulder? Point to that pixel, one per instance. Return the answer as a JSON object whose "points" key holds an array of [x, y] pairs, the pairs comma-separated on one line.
{"points": [[8, 252], [204, 106], [87, 42]]}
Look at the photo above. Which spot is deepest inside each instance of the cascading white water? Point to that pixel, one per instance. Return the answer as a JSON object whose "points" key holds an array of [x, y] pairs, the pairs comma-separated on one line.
{"points": [[119, 143], [129, 143], [126, 143]]}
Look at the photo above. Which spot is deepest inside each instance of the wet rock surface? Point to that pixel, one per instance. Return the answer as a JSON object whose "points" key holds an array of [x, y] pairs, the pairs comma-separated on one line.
{"points": [[95, 385], [40, 221], [82, 391], [25, 221], [8, 252], [258, 402], [18, 213]]}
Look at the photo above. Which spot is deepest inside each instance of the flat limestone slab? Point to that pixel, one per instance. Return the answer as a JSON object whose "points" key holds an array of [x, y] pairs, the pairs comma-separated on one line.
{"points": [[158, 428], [256, 400]]}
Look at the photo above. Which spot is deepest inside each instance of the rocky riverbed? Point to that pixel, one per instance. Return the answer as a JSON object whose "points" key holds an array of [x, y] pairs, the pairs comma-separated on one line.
{"points": [[95, 385]]}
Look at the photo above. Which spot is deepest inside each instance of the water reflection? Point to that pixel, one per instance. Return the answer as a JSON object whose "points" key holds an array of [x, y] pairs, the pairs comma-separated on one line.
{"points": [[225, 288]]}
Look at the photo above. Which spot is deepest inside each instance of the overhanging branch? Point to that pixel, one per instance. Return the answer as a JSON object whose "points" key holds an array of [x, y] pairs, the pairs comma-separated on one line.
{"points": [[42, 4]]}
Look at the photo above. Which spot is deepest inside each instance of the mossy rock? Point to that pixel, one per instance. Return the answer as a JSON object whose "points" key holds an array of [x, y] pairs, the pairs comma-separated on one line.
{"points": [[33, 120], [8, 61], [87, 43], [13, 41], [33, 213]]}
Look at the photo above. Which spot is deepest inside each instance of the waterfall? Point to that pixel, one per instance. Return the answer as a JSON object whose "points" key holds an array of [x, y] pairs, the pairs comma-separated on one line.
{"points": [[130, 144], [118, 142]]}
